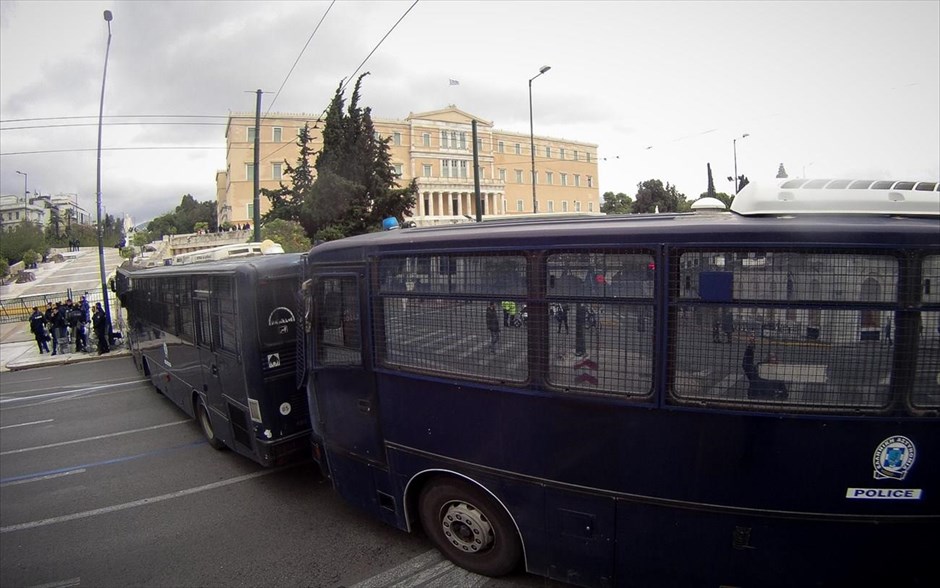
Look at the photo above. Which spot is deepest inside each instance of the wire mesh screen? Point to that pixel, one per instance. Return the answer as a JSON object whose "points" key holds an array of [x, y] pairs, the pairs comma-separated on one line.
{"points": [[601, 327], [454, 336], [927, 371], [601, 347], [733, 348]]}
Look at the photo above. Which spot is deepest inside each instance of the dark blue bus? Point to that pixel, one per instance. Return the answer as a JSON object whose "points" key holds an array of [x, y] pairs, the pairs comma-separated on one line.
{"points": [[219, 339], [743, 398]]}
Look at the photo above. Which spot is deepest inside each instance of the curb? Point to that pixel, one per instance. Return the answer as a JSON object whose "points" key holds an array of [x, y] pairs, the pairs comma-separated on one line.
{"points": [[66, 359]]}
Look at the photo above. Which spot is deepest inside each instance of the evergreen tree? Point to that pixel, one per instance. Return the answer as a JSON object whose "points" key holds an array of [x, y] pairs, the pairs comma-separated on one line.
{"points": [[781, 172], [355, 185], [287, 203], [711, 182]]}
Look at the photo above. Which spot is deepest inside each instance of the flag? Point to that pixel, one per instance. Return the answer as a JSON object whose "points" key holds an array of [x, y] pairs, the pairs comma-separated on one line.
{"points": [[454, 83]]}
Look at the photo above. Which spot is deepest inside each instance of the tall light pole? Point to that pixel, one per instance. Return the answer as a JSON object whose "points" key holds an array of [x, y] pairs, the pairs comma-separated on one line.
{"points": [[734, 145], [101, 269], [535, 202], [25, 194]]}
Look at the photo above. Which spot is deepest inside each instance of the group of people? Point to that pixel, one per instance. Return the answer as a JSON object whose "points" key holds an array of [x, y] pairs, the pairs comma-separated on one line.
{"points": [[66, 324]]}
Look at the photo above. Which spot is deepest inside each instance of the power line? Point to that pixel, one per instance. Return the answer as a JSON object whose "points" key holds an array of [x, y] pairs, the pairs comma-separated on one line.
{"points": [[78, 150], [296, 61], [349, 79]]}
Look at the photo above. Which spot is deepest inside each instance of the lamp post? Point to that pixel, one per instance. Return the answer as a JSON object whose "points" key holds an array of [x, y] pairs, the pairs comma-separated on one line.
{"points": [[734, 145], [101, 269], [535, 202], [25, 193]]}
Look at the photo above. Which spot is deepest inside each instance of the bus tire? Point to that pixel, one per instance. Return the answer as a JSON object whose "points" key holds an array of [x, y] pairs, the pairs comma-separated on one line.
{"points": [[202, 415], [469, 527]]}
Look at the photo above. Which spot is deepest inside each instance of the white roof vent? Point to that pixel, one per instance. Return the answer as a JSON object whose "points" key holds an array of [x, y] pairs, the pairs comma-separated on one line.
{"points": [[708, 205], [803, 196]]}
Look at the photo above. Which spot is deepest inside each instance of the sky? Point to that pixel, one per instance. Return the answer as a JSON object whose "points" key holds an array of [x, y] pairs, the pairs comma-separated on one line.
{"points": [[830, 89]]}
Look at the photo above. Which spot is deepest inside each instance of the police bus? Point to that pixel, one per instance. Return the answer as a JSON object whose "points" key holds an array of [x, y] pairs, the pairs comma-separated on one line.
{"points": [[219, 339], [755, 400]]}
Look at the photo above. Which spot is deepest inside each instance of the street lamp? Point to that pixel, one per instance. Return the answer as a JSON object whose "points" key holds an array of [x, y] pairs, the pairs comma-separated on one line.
{"points": [[535, 202], [734, 145], [25, 194], [104, 284]]}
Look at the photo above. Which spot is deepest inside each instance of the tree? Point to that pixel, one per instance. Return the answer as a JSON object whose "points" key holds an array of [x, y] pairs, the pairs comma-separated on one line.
{"points": [[30, 257], [290, 235], [21, 238], [4, 269], [781, 172], [356, 184], [287, 203], [618, 203], [711, 182], [651, 196], [184, 218]]}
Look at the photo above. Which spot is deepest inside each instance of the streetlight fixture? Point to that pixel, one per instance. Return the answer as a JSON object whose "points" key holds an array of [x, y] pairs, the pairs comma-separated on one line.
{"points": [[25, 194], [101, 269], [734, 145], [535, 202]]}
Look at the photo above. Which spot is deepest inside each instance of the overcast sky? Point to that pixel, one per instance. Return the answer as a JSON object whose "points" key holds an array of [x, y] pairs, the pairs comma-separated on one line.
{"points": [[838, 89]]}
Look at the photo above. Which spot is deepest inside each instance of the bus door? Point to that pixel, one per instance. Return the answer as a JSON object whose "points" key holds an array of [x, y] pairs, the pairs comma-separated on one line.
{"points": [[344, 404], [217, 365]]}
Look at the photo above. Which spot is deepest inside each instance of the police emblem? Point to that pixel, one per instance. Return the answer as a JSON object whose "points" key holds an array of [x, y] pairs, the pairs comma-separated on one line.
{"points": [[893, 458]]}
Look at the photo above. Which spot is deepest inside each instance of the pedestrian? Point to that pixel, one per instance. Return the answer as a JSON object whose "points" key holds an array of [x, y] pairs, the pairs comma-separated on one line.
{"points": [[81, 336], [509, 309], [492, 323], [86, 309], [99, 323], [74, 315], [886, 331], [49, 315], [37, 326], [561, 315], [60, 324]]}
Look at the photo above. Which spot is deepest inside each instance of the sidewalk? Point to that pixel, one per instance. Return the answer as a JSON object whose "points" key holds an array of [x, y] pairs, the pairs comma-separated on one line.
{"points": [[18, 351]]}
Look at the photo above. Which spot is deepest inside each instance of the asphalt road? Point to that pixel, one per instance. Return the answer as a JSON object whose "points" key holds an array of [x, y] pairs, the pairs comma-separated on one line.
{"points": [[103, 482]]}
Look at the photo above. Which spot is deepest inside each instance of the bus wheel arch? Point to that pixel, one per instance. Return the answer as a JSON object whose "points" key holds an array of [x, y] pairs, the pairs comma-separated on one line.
{"points": [[469, 525], [205, 424]]}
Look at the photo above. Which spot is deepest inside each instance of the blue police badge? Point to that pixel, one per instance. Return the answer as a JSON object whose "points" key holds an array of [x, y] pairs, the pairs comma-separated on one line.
{"points": [[893, 458]]}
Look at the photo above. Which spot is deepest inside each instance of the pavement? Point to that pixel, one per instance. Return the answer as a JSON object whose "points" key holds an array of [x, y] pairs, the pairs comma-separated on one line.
{"points": [[18, 349]]}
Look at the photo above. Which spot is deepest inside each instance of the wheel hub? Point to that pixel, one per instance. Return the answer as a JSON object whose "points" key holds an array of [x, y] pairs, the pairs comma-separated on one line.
{"points": [[466, 527]]}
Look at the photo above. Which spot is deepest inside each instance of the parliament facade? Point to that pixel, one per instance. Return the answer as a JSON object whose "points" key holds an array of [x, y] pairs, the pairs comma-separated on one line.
{"points": [[435, 149]]}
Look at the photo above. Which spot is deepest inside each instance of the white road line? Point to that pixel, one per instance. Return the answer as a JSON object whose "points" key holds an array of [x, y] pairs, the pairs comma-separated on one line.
{"points": [[49, 477], [404, 570], [428, 569], [71, 391], [135, 503], [61, 583], [95, 438], [27, 424]]}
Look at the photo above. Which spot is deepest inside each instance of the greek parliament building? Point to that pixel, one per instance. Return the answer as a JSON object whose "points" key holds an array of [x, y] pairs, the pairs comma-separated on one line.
{"points": [[434, 148]]}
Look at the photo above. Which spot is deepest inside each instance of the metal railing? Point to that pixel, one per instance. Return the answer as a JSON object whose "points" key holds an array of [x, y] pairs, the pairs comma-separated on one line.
{"points": [[18, 309]]}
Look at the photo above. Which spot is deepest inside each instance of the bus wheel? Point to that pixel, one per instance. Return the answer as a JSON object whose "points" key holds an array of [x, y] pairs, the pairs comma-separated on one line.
{"points": [[202, 415], [469, 527]]}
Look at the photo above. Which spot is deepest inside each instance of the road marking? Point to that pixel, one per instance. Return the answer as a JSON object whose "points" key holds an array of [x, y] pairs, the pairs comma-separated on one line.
{"points": [[61, 583], [428, 569], [27, 424], [95, 438], [64, 392], [27, 480], [136, 503]]}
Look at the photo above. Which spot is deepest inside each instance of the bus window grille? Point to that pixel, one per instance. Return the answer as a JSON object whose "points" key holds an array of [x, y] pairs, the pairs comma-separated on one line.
{"points": [[811, 330], [239, 420]]}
